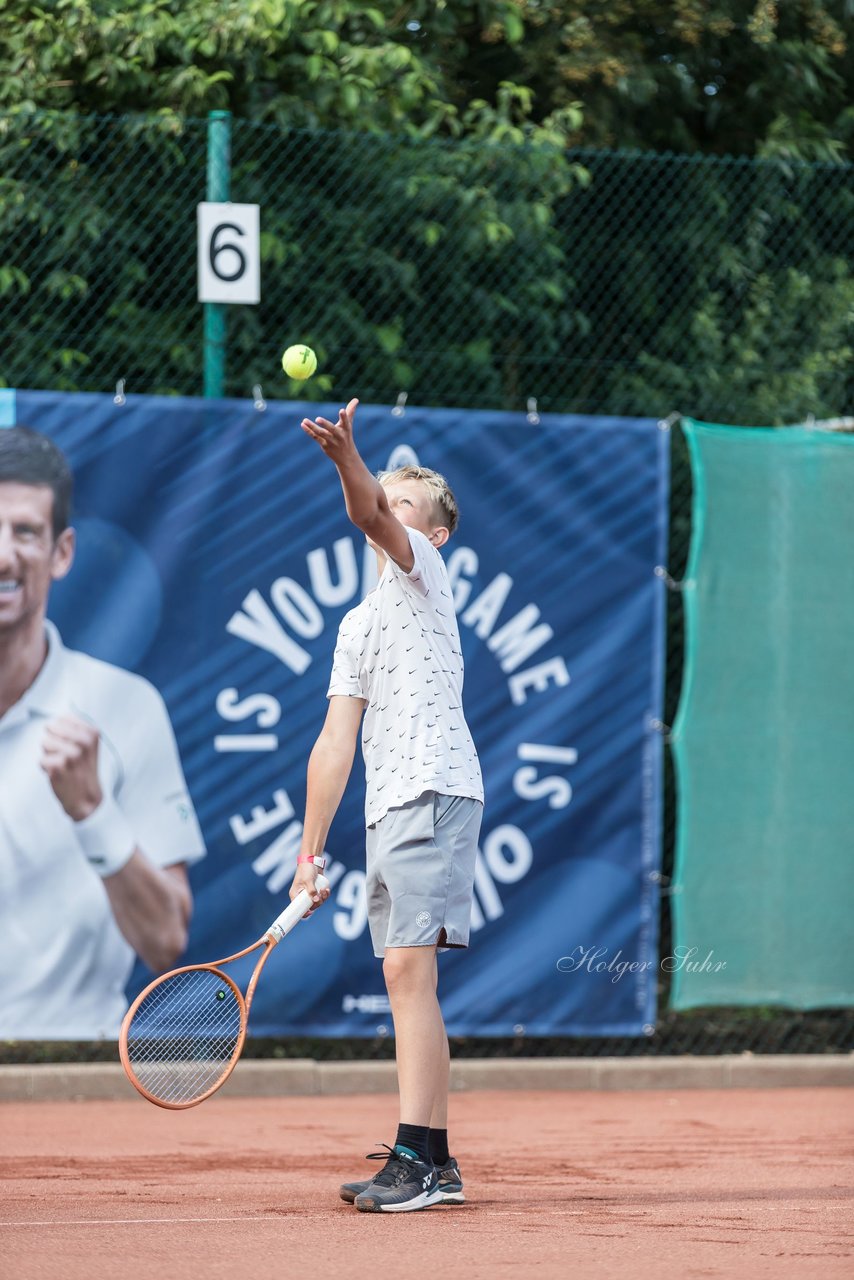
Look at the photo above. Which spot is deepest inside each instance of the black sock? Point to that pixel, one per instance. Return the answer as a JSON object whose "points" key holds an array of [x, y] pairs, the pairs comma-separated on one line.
{"points": [[415, 1138], [439, 1146]]}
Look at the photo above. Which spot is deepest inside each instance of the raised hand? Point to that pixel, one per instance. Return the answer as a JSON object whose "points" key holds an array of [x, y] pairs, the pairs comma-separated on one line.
{"points": [[334, 438]]}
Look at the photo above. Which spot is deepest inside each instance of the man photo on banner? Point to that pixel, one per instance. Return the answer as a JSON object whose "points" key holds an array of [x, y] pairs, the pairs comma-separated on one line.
{"points": [[96, 826]]}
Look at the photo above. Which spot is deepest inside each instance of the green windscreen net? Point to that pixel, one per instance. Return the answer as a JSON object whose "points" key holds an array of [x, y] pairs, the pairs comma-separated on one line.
{"points": [[763, 891]]}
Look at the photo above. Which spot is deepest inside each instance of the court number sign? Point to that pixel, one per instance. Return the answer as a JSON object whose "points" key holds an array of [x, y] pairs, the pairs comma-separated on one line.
{"points": [[229, 257]]}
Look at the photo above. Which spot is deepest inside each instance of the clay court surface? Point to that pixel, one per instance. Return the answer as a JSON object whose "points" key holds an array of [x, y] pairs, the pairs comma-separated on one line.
{"points": [[738, 1182]]}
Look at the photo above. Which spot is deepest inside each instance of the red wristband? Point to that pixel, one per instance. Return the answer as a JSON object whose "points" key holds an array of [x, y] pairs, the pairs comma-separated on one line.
{"points": [[312, 857]]}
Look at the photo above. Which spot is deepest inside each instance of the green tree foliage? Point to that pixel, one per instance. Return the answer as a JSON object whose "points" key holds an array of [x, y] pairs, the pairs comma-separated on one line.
{"points": [[408, 263], [735, 77], [720, 284], [387, 66], [738, 77], [424, 223]]}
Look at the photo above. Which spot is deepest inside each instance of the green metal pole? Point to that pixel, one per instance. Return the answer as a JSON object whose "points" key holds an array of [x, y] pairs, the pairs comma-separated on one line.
{"points": [[219, 188]]}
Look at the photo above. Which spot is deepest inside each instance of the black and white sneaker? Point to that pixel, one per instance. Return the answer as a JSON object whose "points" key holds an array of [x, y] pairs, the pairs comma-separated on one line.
{"points": [[450, 1184], [404, 1183]]}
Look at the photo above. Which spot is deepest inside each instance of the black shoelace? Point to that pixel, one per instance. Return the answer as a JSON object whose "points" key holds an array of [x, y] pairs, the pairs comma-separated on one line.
{"points": [[396, 1170]]}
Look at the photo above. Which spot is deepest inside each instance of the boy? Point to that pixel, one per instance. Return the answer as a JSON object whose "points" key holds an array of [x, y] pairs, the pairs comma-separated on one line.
{"points": [[398, 660]]}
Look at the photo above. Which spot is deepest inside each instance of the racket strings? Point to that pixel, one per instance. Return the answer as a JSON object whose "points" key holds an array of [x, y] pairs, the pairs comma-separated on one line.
{"points": [[184, 1035]]}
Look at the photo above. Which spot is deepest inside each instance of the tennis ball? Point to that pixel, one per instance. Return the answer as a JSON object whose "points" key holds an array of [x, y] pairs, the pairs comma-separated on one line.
{"points": [[299, 363]]}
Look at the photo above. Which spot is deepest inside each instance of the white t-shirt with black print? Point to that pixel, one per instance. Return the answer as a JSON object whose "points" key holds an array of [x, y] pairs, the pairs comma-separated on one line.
{"points": [[400, 651]]}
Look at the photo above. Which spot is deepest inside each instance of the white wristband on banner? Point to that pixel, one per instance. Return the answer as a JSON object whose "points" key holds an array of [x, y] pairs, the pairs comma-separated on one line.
{"points": [[106, 838]]}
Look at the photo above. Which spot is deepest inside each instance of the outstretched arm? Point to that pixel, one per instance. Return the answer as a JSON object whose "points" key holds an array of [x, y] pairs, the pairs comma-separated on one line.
{"points": [[365, 499], [329, 768]]}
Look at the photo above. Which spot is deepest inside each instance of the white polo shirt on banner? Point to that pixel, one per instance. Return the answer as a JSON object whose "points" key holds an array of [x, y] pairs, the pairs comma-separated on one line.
{"points": [[63, 962], [400, 651]]}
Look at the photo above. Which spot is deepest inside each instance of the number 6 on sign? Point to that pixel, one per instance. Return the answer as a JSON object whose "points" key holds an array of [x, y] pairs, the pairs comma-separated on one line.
{"points": [[228, 253], [182, 1036]]}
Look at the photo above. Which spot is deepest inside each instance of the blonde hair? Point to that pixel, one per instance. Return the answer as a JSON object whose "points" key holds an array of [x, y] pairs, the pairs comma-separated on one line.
{"points": [[435, 484]]}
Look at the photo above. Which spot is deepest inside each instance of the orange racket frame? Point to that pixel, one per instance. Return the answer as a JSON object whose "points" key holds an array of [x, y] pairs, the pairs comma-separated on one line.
{"points": [[280, 927]]}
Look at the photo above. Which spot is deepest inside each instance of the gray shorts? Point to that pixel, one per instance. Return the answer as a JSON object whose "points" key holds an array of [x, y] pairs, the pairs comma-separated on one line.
{"points": [[420, 872]]}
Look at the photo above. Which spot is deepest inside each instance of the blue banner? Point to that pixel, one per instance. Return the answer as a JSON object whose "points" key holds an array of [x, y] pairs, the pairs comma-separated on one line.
{"points": [[216, 559]]}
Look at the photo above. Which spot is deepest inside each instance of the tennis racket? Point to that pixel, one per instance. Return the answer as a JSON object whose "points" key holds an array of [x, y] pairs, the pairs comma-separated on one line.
{"points": [[182, 1036]]}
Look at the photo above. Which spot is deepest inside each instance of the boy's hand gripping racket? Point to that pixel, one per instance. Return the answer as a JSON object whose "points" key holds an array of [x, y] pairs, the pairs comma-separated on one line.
{"points": [[182, 1036]]}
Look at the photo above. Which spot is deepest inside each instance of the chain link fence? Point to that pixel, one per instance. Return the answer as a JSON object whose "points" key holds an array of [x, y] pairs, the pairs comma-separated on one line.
{"points": [[463, 274]]}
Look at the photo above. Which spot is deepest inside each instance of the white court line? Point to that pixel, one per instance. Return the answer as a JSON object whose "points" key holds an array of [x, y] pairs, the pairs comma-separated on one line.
{"points": [[280, 1217], [136, 1222]]}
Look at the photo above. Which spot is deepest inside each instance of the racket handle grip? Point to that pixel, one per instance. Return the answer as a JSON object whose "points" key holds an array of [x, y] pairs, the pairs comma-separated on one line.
{"points": [[293, 913]]}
